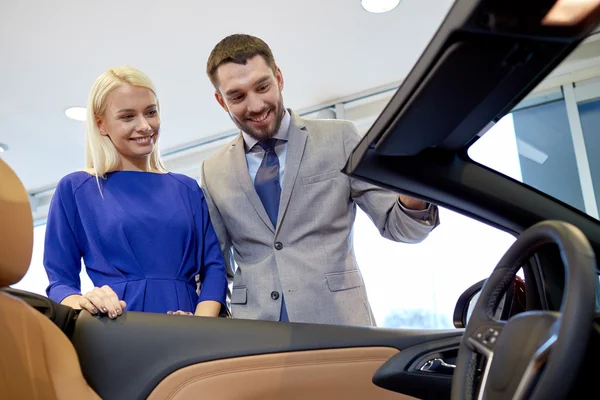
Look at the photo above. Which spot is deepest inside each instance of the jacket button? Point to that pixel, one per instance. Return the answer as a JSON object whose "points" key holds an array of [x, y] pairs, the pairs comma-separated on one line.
{"points": [[274, 295], [278, 246]]}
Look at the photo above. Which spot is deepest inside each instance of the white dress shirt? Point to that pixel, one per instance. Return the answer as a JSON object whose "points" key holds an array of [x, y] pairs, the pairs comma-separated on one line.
{"points": [[255, 155]]}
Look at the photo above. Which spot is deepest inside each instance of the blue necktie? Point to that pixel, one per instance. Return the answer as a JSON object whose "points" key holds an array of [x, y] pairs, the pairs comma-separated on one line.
{"points": [[268, 188], [266, 181]]}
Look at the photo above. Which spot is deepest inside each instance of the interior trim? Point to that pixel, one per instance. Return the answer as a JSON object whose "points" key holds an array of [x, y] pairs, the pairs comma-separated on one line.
{"points": [[315, 374], [178, 341], [37, 360]]}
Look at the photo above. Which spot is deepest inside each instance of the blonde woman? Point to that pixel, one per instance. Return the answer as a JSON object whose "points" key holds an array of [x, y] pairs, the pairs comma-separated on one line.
{"points": [[143, 233]]}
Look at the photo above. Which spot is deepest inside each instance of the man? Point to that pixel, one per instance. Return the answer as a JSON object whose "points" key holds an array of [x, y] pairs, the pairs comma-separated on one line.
{"points": [[280, 206]]}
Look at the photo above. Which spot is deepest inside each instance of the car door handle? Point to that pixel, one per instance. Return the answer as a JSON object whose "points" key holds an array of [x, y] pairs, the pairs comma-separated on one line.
{"points": [[439, 366]]}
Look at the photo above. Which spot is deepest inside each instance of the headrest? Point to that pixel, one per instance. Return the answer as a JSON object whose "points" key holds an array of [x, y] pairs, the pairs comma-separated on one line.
{"points": [[16, 227]]}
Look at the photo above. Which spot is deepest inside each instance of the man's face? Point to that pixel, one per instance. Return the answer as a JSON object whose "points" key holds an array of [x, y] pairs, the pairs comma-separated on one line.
{"points": [[251, 95]]}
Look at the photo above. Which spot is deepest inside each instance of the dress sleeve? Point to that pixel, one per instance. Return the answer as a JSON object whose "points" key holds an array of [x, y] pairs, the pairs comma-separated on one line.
{"points": [[62, 255], [213, 277]]}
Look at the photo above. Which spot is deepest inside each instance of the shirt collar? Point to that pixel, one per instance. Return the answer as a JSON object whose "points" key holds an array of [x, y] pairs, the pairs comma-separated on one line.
{"points": [[282, 133]]}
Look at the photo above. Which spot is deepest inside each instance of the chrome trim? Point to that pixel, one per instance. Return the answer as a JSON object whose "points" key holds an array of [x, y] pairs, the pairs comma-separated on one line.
{"points": [[425, 367]]}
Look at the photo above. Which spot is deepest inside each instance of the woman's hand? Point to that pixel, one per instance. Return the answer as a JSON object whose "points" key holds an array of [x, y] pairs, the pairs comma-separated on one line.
{"points": [[179, 312], [102, 299], [207, 308]]}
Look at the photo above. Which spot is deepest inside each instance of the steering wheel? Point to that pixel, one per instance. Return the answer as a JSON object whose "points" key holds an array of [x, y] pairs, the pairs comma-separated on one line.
{"points": [[536, 354]]}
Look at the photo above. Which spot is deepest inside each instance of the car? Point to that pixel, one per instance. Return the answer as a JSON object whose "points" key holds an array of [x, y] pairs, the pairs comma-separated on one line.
{"points": [[534, 336]]}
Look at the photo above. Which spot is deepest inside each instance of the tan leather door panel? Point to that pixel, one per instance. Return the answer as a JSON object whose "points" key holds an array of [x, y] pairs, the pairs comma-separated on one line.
{"points": [[315, 374]]}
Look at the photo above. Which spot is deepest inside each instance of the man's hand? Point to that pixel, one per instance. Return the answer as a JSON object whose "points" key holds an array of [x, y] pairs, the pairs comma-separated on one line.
{"points": [[412, 204]]}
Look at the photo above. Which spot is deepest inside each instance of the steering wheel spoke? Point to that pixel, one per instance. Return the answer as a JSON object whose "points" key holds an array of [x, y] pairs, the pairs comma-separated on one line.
{"points": [[534, 369], [484, 339]]}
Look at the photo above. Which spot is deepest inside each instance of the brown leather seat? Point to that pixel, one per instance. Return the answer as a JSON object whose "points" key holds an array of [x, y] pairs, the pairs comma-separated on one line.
{"points": [[37, 361]]}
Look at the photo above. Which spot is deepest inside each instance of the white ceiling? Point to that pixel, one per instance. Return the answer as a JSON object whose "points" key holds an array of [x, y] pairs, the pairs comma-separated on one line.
{"points": [[52, 51]]}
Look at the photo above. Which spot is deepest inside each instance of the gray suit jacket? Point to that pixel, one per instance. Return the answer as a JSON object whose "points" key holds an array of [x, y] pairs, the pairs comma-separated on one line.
{"points": [[308, 257]]}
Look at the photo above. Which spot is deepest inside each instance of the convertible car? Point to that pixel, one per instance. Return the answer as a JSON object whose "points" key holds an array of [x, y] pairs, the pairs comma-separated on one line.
{"points": [[531, 330]]}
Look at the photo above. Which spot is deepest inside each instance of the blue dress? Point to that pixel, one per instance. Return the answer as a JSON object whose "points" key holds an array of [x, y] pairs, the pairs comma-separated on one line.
{"points": [[147, 237]]}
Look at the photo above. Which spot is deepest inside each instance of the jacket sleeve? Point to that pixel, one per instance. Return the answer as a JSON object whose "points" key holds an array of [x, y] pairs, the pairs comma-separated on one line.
{"points": [[62, 255], [391, 218]]}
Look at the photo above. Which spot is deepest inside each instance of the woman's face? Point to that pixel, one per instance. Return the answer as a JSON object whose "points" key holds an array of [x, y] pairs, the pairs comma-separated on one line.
{"points": [[132, 122]]}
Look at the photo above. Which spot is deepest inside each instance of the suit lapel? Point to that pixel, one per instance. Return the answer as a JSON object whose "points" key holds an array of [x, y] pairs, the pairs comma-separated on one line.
{"points": [[240, 167], [295, 150]]}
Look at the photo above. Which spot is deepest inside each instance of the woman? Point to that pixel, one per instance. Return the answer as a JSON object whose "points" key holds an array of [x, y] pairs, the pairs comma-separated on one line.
{"points": [[143, 233]]}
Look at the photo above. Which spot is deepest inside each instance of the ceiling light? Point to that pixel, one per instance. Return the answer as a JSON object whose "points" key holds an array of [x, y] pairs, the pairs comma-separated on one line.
{"points": [[76, 113], [3, 148], [379, 6], [569, 12]]}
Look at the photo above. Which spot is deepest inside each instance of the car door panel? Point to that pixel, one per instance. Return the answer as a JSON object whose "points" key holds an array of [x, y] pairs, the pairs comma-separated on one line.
{"points": [[406, 371], [130, 357], [312, 374]]}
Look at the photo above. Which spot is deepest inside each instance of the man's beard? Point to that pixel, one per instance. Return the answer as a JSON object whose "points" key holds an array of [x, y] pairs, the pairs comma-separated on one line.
{"points": [[260, 134]]}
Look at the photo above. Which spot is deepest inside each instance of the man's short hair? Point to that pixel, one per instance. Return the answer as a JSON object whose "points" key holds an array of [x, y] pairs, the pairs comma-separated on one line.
{"points": [[238, 48]]}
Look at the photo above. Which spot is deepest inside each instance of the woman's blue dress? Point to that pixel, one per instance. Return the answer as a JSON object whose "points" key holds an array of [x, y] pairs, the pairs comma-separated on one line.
{"points": [[147, 236]]}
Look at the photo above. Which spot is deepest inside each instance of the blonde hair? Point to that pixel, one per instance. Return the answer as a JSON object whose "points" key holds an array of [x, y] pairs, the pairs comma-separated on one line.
{"points": [[101, 155]]}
